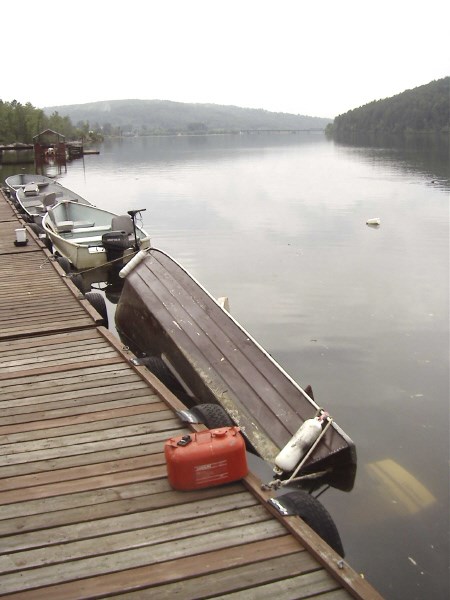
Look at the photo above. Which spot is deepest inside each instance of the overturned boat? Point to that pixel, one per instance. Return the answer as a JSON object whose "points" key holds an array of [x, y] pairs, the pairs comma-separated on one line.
{"points": [[91, 237], [164, 313]]}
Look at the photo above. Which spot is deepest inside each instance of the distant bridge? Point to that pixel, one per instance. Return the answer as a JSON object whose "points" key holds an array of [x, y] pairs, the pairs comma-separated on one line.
{"points": [[321, 129]]}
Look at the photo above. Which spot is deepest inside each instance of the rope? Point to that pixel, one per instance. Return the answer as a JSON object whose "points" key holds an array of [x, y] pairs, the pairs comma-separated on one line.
{"points": [[47, 261], [106, 264]]}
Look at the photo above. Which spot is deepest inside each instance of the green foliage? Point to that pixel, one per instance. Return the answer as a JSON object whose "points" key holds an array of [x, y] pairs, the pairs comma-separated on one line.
{"points": [[424, 109], [20, 123]]}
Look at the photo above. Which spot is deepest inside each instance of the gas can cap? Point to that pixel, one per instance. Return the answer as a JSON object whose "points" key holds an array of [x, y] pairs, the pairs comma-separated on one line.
{"points": [[185, 440]]}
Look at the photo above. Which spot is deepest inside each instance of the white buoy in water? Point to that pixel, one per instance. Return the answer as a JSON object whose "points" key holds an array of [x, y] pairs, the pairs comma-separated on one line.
{"points": [[132, 264], [375, 221], [299, 444]]}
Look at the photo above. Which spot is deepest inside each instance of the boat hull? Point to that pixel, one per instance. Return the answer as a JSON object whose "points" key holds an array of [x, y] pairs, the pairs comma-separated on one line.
{"points": [[14, 182], [83, 257], [78, 231], [164, 311]]}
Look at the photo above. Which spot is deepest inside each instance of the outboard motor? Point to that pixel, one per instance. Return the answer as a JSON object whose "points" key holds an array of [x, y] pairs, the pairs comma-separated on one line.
{"points": [[115, 243]]}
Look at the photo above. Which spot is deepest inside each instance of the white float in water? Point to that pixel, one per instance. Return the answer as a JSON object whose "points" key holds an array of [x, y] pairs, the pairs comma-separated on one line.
{"points": [[375, 221]]}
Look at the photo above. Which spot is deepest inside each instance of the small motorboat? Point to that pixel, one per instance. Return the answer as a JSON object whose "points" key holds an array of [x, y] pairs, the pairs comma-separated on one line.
{"points": [[34, 194], [91, 237], [165, 315], [14, 182]]}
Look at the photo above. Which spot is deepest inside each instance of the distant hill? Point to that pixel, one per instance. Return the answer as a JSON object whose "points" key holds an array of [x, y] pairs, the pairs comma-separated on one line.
{"points": [[163, 116], [424, 109]]}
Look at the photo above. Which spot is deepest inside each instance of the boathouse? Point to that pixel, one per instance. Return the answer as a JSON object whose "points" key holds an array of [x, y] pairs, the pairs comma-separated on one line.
{"points": [[49, 144]]}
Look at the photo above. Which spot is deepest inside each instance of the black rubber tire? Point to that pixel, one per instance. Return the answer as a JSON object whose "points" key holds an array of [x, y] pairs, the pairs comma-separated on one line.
{"points": [[98, 302], [48, 243], [77, 281], [158, 367], [212, 415], [37, 229], [315, 515], [64, 263]]}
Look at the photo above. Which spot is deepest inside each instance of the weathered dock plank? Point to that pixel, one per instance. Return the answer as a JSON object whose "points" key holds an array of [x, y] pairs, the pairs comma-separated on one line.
{"points": [[46, 571], [246, 578], [7, 213], [111, 503], [149, 577], [128, 522], [76, 511], [8, 236], [34, 298]]}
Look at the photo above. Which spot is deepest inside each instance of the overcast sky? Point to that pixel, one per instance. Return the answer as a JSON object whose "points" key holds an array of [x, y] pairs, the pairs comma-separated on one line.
{"points": [[316, 57]]}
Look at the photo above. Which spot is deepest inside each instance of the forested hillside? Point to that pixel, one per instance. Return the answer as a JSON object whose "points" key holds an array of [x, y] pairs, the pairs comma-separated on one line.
{"points": [[144, 117], [20, 122], [424, 109]]}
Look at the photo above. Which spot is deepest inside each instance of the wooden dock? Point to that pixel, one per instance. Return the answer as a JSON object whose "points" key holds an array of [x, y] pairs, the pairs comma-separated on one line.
{"points": [[86, 510]]}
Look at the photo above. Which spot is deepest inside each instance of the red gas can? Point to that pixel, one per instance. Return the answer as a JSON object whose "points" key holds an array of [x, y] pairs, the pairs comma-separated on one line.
{"points": [[206, 458]]}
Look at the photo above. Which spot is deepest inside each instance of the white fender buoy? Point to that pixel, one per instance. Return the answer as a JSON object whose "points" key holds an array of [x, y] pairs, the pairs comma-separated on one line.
{"points": [[132, 264], [375, 221], [299, 444]]}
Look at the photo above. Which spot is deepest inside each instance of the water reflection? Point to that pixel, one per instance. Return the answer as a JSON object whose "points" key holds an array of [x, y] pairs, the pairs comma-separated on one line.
{"points": [[428, 155]]}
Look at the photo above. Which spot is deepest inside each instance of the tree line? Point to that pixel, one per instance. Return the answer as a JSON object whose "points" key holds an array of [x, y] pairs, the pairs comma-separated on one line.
{"points": [[21, 122], [424, 109]]}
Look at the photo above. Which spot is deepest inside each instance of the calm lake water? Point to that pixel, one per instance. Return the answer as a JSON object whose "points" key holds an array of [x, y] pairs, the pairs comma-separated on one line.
{"points": [[278, 224]]}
